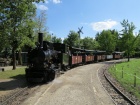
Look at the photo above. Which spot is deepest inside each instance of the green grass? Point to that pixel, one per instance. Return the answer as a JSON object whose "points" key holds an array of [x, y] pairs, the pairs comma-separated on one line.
{"points": [[125, 74], [19, 73]]}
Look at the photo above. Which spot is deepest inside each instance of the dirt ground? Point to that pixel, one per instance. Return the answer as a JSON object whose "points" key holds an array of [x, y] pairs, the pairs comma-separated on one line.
{"points": [[9, 85]]}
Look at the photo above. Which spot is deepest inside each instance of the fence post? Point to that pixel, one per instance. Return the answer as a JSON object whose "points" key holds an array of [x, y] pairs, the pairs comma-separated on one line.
{"points": [[135, 80], [122, 71], [115, 70], [128, 65]]}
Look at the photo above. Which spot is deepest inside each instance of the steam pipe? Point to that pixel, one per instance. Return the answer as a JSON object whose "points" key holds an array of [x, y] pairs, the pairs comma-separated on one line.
{"points": [[40, 39]]}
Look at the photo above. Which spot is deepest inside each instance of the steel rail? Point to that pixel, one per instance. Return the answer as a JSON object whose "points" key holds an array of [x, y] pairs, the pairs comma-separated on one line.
{"points": [[118, 90], [5, 102]]}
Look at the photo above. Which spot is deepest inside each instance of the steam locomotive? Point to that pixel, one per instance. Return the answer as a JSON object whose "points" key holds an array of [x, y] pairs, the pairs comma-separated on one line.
{"points": [[43, 62], [48, 59]]}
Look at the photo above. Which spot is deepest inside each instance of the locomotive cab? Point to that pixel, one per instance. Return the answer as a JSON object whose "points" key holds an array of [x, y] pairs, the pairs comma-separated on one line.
{"points": [[63, 55]]}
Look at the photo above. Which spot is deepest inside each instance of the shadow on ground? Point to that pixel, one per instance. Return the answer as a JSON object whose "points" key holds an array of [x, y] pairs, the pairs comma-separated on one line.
{"points": [[18, 81]]}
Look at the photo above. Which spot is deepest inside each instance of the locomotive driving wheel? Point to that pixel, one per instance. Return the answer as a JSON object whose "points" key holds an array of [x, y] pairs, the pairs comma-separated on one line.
{"points": [[51, 75], [45, 79]]}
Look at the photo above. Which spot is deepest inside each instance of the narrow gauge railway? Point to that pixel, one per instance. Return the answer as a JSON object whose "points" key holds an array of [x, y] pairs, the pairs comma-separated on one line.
{"points": [[48, 59], [119, 96], [123, 97], [12, 97], [20, 94]]}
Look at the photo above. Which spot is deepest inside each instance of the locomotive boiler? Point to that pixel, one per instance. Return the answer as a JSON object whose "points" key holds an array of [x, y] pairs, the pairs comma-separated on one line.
{"points": [[43, 62]]}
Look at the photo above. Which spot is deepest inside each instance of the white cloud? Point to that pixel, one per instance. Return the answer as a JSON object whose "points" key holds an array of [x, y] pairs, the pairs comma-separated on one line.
{"points": [[41, 7], [56, 1], [103, 25], [46, 1], [44, 7]]}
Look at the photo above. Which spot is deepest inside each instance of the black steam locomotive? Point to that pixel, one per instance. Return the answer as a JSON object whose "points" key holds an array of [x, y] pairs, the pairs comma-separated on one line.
{"points": [[43, 62], [48, 59]]}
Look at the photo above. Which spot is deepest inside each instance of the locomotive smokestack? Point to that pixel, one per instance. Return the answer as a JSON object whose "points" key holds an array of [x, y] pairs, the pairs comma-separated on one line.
{"points": [[40, 39]]}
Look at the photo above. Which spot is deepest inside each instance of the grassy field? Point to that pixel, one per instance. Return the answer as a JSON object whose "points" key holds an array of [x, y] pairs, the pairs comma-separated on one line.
{"points": [[19, 73], [128, 74]]}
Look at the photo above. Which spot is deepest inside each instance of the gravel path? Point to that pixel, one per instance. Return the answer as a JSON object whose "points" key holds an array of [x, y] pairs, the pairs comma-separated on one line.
{"points": [[78, 86], [8, 86]]}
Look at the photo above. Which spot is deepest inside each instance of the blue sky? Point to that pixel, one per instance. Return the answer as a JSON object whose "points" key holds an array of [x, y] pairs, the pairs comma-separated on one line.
{"points": [[93, 15]]}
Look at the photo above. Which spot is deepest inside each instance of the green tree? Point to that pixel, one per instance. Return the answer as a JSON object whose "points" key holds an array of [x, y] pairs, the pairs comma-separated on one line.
{"points": [[73, 39], [137, 53], [115, 36], [13, 14], [56, 40], [88, 43], [107, 40], [47, 37], [52, 38], [41, 20], [96, 45], [128, 40], [40, 24], [25, 38]]}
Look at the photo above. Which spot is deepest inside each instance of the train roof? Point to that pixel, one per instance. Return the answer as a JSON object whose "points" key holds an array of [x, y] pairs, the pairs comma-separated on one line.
{"points": [[117, 52], [76, 49], [98, 51], [89, 51]]}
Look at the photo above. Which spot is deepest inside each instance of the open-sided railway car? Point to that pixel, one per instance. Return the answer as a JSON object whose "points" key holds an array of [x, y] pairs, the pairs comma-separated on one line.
{"points": [[89, 56], [99, 56], [117, 55], [76, 56], [109, 57]]}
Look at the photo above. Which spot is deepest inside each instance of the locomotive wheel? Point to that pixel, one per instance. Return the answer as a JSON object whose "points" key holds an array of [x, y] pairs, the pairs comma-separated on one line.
{"points": [[27, 79], [51, 75], [45, 79], [64, 68]]}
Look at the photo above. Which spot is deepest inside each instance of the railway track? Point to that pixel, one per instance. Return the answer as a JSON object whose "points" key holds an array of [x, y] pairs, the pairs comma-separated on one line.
{"points": [[19, 95], [119, 97], [12, 97]]}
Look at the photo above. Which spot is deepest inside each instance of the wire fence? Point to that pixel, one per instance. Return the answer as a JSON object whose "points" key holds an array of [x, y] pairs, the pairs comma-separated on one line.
{"points": [[131, 80]]}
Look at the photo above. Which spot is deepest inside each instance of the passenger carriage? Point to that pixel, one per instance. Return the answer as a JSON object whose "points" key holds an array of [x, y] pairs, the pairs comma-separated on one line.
{"points": [[89, 56], [99, 55], [117, 55], [76, 56]]}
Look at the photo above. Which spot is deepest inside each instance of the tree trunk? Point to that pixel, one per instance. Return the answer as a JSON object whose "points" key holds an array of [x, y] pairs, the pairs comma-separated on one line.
{"points": [[19, 57], [13, 51], [128, 56], [14, 58]]}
